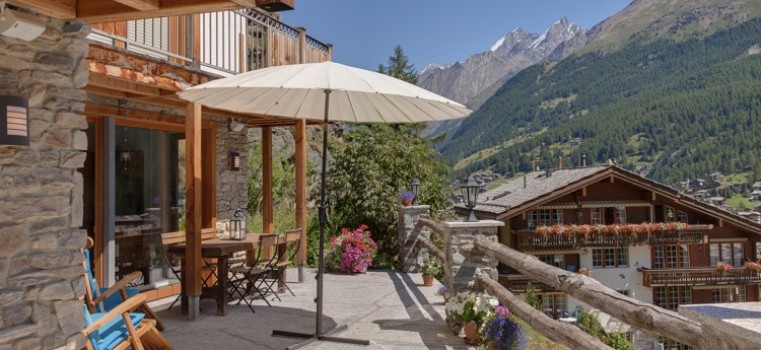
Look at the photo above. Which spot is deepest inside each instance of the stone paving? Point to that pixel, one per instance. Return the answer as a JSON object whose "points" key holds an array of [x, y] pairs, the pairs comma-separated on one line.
{"points": [[392, 310]]}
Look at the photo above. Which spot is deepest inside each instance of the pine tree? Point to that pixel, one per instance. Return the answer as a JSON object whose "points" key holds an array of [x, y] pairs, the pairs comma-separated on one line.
{"points": [[399, 66]]}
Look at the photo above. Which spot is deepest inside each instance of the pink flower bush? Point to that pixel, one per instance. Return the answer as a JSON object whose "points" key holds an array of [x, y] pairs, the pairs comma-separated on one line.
{"points": [[352, 251]]}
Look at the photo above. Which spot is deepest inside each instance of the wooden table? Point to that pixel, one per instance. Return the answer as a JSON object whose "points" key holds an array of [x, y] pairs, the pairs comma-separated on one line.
{"points": [[222, 250]]}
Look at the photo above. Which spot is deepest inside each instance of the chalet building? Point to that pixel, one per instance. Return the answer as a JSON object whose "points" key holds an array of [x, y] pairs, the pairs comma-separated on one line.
{"points": [[632, 234], [113, 153]]}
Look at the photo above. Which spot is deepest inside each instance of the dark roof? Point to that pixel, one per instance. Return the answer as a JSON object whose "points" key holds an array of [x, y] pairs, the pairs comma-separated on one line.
{"points": [[538, 184]]}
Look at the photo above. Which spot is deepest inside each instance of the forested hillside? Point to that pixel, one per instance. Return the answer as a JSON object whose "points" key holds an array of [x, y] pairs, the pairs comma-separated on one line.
{"points": [[672, 110]]}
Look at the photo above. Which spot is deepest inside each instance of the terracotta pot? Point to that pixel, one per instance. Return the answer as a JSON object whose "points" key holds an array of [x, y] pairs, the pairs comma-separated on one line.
{"points": [[407, 202], [427, 280], [471, 333]]}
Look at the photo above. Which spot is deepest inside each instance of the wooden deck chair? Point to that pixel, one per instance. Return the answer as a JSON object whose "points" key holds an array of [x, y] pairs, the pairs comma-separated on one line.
{"points": [[120, 329], [105, 299]]}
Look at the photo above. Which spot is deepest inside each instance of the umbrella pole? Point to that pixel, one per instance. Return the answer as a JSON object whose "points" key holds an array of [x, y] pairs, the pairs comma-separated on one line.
{"points": [[323, 216]]}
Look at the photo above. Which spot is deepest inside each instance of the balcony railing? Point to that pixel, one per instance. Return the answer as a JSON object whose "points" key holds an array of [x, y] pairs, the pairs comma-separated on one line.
{"points": [[517, 284], [697, 276], [223, 42], [528, 240]]}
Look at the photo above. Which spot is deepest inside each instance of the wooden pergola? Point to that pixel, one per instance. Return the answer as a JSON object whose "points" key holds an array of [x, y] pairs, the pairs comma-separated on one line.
{"points": [[144, 81]]}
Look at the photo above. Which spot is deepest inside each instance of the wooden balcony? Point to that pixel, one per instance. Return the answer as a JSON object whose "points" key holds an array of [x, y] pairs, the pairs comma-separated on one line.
{"points": [[697, 277], [530, 241], [222, 42], [517, 284]]}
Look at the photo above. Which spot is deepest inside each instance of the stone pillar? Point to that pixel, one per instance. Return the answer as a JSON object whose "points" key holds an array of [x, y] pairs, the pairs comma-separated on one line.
{"points": [[232, 185], [412, 256], [465, 265], [41, 196]]}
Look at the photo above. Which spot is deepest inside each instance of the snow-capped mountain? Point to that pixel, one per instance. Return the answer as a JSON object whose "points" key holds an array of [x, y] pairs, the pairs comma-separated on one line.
{"points": [[510, 54]]}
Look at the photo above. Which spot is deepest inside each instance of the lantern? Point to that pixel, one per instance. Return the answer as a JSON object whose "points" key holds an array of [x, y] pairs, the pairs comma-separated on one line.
{"points": [[470, 194], [237, 227], [415, 186]]}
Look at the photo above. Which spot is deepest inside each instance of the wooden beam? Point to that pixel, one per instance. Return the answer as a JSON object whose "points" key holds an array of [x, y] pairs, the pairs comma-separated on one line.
{"points": [[641, 315], [61, 9], [98, 234], [126, 85], [245, 3], [567, 334], [142, 5], [209, 169], [96, 11], [193, 205], [300, 135], [653, 196], [267, 207], [584, 191], [612, 179]]}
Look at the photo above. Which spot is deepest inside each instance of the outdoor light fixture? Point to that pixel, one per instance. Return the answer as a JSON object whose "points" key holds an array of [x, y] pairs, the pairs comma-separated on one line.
{"points": [[415, 187], [14, 121], [19, 24], [470, 194], [237, 227], [234, 160]]}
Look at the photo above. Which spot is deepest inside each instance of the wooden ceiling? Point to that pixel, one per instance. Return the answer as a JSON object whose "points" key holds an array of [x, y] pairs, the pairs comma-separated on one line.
{"points": [[95, 11]]}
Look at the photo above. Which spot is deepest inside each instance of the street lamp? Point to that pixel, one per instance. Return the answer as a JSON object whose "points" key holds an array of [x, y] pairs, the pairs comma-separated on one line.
{"points": [[415, 186], [470, 194]]}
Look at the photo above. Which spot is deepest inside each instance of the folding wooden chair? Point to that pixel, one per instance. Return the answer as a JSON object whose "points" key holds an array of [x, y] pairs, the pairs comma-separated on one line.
{"points": [[102, 300], [286, 255], [253, 276], [171, 238], [120, 329]]}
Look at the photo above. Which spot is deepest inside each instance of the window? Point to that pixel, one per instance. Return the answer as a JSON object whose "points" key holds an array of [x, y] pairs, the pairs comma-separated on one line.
{"points": [[595, 216], [681, 216], [728, 295], [610, 257], [557, 260], [730, 253], [624, 292], [544, 217], [531, 220], [669, 344], [675, 256], [620, 215], [554, 304], [671, 297], [669, 214]]}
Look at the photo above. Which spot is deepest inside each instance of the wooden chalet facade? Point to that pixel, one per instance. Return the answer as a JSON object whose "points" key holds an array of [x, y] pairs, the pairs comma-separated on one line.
{"points": [[114, 154], [633, 235]]}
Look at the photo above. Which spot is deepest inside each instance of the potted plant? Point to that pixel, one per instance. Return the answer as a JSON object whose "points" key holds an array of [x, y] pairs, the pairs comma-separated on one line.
{"points": [[471, 310], [406, 197], [723, 267], [502, 333], [429, 270]]}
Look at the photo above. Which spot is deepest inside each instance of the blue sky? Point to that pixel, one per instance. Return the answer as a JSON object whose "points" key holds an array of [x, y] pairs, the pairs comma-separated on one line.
{"points": [[365, 32]]}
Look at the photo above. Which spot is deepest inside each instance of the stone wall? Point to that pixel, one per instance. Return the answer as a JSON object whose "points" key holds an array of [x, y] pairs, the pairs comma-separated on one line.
{"points": [[232, 185], [412, 256], [467, 264], [41, 193]]}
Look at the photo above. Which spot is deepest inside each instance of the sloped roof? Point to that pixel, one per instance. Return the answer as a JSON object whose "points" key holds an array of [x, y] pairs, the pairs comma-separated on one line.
{"points": [[537, 184]]}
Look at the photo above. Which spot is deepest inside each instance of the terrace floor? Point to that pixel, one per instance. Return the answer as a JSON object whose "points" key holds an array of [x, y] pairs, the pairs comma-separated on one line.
{"points": [[392, 310]]}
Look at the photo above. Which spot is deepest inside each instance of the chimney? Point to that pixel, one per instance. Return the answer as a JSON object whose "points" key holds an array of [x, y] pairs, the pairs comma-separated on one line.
{"points": [[583, 160], [524, 181], [560, 162], [548, 173]]}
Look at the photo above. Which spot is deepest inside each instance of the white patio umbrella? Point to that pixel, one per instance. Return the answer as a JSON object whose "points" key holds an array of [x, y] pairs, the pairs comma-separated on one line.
{"points": [[325, 91]]}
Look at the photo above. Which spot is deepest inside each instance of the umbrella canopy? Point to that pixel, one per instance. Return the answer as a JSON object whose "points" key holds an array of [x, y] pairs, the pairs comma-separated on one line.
{"points": [[298, 92]]}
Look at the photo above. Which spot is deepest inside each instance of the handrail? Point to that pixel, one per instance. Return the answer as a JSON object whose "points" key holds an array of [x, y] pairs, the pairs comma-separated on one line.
{"points": [[569, 335], [441, 230], [697, 276], [220, 42], [644, 316]]}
